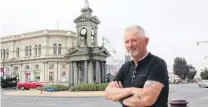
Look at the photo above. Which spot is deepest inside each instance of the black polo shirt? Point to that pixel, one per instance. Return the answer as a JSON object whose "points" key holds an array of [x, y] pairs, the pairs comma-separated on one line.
{"points": [[149, 68]]}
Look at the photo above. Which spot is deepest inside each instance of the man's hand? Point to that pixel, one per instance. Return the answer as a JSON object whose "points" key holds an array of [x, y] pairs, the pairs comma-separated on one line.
{"points": [[115, 91], [145, 97]]}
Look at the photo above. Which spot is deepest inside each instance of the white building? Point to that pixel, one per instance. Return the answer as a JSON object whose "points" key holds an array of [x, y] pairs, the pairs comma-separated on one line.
{"points": [[173, 78], [37, 56]]}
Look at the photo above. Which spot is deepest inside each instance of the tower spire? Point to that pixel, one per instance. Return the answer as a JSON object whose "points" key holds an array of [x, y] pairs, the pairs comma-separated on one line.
{"points": [[86, 3]]}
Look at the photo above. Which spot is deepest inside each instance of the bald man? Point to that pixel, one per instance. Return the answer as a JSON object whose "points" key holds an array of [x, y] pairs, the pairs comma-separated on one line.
{"points": [[142, 82]]}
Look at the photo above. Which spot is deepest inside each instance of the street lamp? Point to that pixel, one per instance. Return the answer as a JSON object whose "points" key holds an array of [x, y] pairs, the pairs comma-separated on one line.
{"points": [[197, 43]]}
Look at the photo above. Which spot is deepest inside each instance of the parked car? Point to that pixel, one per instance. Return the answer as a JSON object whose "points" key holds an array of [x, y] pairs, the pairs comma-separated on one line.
{"points": [[203, 83], [29, 85]]}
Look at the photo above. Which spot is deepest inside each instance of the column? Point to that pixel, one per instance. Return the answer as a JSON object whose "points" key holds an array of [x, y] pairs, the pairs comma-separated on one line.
{"points": [[90, 72], [75, 72], [85, 72], [96, 38], [104, 73], [44, 79], [97, 72], [20, 73], [71, 74], [46, 72]]}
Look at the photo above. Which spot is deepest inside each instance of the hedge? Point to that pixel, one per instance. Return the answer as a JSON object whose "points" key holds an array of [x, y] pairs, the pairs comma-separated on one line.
{"points": [[89, 87], [58, 87]]}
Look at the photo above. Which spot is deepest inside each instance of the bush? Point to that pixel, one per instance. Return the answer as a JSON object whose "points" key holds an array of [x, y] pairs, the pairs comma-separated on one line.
{"points": [[58, 87], [89, 87]]}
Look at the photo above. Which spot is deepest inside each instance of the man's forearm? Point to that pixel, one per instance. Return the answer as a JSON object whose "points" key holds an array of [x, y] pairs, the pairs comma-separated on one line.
{"points": [[115, 94], [134, 101], [140, 98]]}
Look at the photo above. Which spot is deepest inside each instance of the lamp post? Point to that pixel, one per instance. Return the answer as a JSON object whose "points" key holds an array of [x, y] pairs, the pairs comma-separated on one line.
{"points": [[197, 43]]}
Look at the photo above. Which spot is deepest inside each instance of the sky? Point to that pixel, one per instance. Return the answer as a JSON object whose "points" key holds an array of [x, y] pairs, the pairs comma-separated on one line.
{"points": [[173, 26]]}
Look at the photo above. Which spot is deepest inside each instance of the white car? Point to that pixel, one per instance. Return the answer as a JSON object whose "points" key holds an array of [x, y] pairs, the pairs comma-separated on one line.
{"points": [[203, 84]]}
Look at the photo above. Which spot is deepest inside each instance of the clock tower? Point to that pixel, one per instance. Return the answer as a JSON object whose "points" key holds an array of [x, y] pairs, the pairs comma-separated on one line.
{"points": [[87, 61], [87, 26]]}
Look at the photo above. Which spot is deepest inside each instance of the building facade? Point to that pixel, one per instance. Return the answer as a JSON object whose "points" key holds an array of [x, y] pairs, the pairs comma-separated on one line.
{"points": [[57, 55], [37, 56]]}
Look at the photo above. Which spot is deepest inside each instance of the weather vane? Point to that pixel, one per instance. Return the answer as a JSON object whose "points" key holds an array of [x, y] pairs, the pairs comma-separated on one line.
{"points": [[86, 3]]}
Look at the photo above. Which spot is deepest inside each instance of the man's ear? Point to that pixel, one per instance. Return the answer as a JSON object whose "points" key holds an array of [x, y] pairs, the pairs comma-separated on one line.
{"points": [[146, 41]]}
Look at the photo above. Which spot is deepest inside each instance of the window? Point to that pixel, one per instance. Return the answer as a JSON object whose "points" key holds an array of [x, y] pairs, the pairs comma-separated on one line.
{"points": [[17, 52], [36, 67], [36, 50], [30, 50], [51, 66], [27, 73], [39, 49], [51, 76], [26, 51], [15, 72], [54, 48], [7, 53], [36, 73], [59, 49]]}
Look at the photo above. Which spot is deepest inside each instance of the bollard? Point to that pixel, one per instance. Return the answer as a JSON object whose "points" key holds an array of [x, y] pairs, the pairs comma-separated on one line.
{"points": [[178, 103], [41, 90]]}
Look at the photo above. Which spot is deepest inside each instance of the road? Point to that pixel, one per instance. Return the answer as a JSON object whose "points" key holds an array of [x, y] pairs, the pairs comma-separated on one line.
{"points": [[197, 97]]}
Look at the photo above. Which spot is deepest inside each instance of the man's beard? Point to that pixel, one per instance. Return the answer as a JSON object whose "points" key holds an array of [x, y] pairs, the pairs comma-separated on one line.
{"points": [[133, 52]]}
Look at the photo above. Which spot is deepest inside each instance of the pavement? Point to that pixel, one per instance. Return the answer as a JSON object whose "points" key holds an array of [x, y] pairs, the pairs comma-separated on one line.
{"points": [[55, 94]]}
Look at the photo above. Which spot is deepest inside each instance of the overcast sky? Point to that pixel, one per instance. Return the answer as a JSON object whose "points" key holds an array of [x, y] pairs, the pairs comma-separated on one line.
{"points": [[174, 26]]}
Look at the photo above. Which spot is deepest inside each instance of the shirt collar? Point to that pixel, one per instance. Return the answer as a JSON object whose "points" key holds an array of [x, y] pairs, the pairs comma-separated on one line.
{"points": [[142, 58]]}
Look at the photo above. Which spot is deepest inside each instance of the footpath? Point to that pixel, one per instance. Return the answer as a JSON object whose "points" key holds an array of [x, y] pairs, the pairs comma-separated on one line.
{"points": [[55, 94]]}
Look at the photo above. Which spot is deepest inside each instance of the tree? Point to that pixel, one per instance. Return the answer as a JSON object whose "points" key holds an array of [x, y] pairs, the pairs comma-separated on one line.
{"points": [[204, 74], [192, 72], [180, 67]]}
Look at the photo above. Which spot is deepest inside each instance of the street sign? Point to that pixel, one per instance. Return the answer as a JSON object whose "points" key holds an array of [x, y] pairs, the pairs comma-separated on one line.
{"points": [[49, 89]]}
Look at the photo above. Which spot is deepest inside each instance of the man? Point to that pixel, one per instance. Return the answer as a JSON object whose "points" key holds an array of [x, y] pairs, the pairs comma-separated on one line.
{"points": [[142, 82]]}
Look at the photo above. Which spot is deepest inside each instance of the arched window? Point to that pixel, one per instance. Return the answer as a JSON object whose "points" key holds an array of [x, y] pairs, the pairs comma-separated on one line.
{"points": [[7, 53], [27, 73], [30, 50], [15, 69], [17, 52], [36, 67], [15, 72], [26, 51], [59, 48], [27, 67], [55, 48], [36, 50], [39, 49]]}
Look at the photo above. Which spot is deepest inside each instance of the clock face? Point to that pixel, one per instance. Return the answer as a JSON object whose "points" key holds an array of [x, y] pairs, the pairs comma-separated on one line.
{"points": [[93, 32], [83, 31]]}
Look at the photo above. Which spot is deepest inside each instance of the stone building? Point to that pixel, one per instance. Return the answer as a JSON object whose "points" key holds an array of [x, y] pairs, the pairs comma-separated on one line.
{"points": [[57, 55]]}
